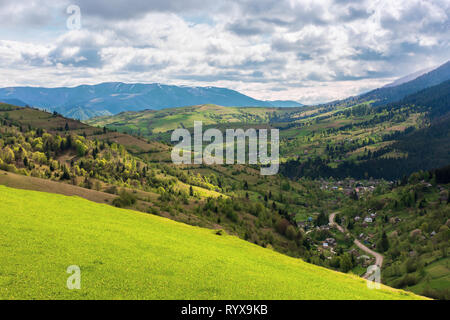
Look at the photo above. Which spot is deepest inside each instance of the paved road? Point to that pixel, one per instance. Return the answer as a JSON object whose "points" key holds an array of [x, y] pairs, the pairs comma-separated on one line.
{"points": [[378, 257]]}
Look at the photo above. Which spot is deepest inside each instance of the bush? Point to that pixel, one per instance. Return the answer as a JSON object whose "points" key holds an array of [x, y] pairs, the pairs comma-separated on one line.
{"points": [[153, 210], [407, 281], [412, 264], [232, 215], [291, 233], [125, 199], [281, 226], [220, 232], [112, 190], [441, 294]]}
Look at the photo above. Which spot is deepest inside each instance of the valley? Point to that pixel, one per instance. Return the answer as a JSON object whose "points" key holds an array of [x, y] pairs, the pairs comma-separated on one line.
{"points": [[377, 170]]}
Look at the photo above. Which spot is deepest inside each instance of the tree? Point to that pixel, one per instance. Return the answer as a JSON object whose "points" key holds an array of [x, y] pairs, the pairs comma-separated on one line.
{"points": [[291, 234], [282, 225], [81, 148], [322, 219], [66, 174], [346, 263], [191, 191], [383, 244], [350, 225], [7, 155], [354, 195]]}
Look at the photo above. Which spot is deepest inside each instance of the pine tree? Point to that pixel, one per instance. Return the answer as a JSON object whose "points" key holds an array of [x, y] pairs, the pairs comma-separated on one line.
{"points": [[384, 242]]}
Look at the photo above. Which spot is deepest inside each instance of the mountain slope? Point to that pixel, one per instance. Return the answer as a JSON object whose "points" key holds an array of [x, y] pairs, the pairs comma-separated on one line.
{"points": [[13, 101], [435, 99], [391, 94], [147, 122], [284, 103], [86, 101], [387, 141], [128, 255], [409, 77]]}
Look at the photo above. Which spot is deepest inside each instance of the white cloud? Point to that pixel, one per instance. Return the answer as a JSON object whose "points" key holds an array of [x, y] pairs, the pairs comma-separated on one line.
{"points": [[311, 51]]}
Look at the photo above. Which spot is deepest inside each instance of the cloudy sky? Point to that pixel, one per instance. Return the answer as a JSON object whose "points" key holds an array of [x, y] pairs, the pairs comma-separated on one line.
{"points": [[309, 51]]}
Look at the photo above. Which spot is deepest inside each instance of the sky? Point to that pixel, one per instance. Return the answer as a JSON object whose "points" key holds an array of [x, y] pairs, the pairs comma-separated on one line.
{"points": [[302, 50]]}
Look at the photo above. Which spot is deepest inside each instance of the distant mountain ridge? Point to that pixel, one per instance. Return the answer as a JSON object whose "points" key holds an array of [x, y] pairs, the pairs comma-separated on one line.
{"points": [[396, 93], [409, 77], [86, 101], [389, 94]]}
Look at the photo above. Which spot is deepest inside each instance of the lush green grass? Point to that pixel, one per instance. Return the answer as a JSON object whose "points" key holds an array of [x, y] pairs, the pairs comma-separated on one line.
{"points": [[437, 276], [125, 254], [151, 121]]}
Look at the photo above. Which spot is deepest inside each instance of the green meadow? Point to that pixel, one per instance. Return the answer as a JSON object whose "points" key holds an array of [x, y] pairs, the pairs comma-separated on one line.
{"points": [[125, 254]]}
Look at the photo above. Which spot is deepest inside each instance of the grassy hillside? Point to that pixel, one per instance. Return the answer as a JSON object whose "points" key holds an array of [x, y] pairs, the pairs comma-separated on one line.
{"points": [[150, 122], [124, 254]]}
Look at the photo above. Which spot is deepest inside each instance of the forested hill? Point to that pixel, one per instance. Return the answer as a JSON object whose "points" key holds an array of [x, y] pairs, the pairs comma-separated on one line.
{"points": [[391, 94], [435, 100], [422, 148]]}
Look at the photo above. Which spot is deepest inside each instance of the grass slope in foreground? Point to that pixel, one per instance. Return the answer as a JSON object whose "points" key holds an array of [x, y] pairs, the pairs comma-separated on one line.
{"points": [[129, 255]]}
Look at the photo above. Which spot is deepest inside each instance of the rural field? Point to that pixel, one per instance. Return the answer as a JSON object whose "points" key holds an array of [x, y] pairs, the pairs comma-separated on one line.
{"points": [[129, 255]]}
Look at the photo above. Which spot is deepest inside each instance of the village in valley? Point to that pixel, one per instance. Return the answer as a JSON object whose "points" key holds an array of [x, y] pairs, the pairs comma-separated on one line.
{"points": [[329, 241]]}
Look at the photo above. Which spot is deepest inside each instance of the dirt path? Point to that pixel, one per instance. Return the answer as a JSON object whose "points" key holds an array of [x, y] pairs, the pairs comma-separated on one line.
{"points": [[378, 257]]}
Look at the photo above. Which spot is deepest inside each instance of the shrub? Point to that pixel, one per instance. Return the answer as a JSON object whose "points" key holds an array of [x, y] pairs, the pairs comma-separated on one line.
{"points": [[232, 215], [112, 190], [220, 232], [290, 232], [153, 210], [125, 199], [407, 281], [282, 226]]}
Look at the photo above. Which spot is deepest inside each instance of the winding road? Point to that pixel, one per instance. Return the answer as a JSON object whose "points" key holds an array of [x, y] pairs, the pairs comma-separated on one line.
{"points": [[378, 257]]}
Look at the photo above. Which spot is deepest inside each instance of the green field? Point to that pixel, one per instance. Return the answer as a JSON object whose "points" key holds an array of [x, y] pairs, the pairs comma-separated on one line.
{"points": [[129, 255], [149, 122]]}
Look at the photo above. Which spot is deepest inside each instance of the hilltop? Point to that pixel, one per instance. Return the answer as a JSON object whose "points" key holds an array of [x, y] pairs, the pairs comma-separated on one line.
{"points": [[149, 122]]}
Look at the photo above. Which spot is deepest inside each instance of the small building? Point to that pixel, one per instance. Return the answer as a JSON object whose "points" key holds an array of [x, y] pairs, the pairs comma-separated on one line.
{"points": [[368, 220], [301, 224]]}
